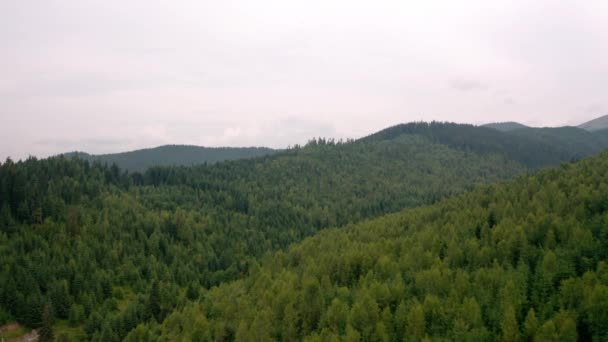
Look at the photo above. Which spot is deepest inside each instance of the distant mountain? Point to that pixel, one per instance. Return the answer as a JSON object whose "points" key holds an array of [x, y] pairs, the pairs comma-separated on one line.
{"points": [[173, 155], [573, 141], [596, 124], [505, 126], [533, 147]]}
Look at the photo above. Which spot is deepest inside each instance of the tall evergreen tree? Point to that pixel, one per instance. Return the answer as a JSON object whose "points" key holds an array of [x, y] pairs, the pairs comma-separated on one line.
{"points": [[154, 302], [46, 330]]}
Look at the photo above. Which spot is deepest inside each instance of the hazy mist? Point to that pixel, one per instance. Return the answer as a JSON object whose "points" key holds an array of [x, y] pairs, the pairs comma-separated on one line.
{"points": [[108, 76]]}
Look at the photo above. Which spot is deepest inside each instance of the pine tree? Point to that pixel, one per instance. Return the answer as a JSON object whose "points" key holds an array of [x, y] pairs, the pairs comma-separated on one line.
{"points": [[352, 335], [61, 299], [530, 325], [547, 332], [242, 333], [46, 331], [510, 329], [364, 315], [7, 222], [400, 320], [313, 304], [108, 334], [597, 309], [337, 316], [291, 323], [416, 324], [192, 292], [154, 302], [389, 324], [566, 327]]}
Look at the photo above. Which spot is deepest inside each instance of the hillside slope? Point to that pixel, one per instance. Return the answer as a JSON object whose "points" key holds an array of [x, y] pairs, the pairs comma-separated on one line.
{"points": [[505, 126], [572, 141], [107, 250], [173, 155], [533, 147], [596, 124], [525, 260], [88, 237]]}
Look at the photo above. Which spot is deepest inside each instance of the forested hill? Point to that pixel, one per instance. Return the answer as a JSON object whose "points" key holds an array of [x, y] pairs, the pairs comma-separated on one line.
{"points": [[107, 250], [505, 126], [571, 140], [103, 250], [521, 261], [598, 124], [533, 147], [173, 155]]}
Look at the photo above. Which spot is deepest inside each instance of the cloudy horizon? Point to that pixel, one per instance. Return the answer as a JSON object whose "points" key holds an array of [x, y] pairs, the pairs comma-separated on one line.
{"points": [[112, 76]]}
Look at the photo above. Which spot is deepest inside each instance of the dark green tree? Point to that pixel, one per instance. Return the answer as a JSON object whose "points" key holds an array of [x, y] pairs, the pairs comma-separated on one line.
{"points": [[46, 330], [154, 302]]}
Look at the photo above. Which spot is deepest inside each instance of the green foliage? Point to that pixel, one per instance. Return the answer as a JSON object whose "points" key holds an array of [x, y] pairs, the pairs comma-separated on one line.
{"points": [[459, 279], [73, 232], [533, 147], [136, 256], [510, 329], [530, 325], [46, 330], [570, 141]]}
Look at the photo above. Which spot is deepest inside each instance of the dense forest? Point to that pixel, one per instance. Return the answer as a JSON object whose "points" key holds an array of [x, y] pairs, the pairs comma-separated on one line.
{"points": [[533, 147], [522, 261], [173, 155], [93, 252]]}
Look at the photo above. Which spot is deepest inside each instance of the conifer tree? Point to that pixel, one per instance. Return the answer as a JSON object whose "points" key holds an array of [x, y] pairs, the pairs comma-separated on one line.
{"points": [[154, 302], [530, 325], [46, 330], [510, 329]]}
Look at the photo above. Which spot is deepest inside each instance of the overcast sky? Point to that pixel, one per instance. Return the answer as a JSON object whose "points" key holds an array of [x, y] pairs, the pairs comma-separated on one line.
{"points": [[108, 75]]}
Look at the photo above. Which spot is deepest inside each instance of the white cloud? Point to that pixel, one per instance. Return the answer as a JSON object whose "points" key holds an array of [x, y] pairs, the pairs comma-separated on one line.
{"points": [[277, 73]]}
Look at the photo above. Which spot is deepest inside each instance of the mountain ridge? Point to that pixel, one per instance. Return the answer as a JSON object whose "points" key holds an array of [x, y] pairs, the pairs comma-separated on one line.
{"points": [[172, 155], [596, 124], [533, 147], [525, 253], [505, 126], [548, 139]]}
